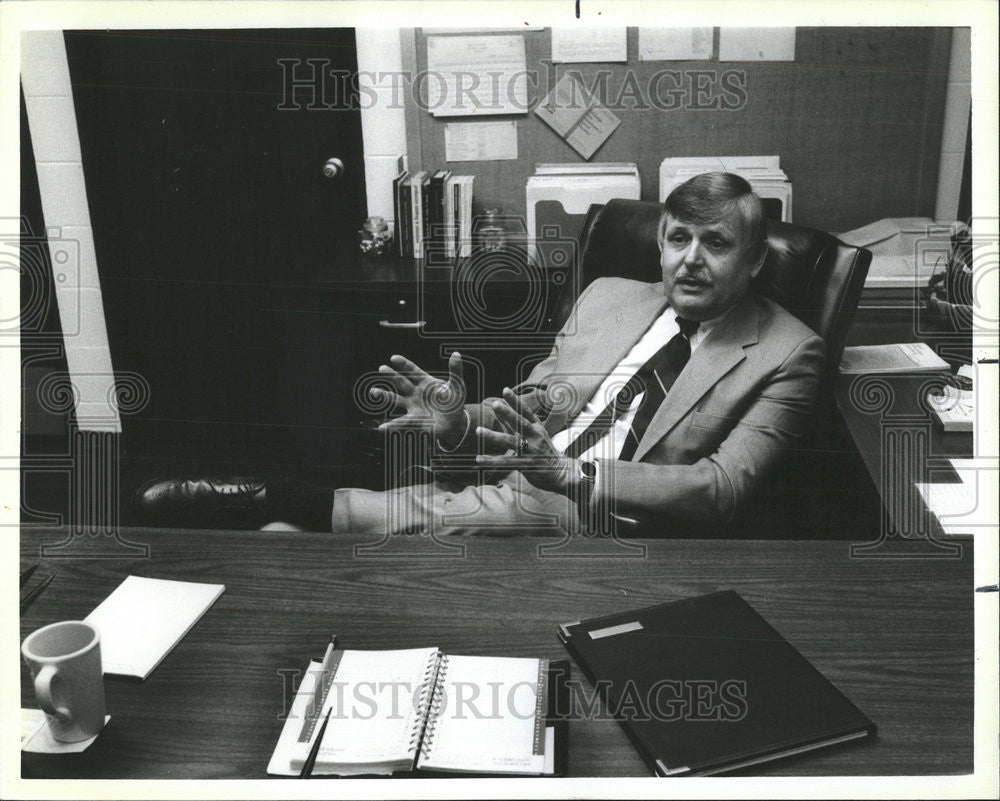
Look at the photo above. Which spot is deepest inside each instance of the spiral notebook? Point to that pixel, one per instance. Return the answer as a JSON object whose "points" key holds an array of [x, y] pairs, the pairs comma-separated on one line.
{"points": [[419, 709]]}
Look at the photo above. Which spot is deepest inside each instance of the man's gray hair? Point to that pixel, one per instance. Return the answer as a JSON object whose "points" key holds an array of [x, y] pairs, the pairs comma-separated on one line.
{"points": [[712, 196]]}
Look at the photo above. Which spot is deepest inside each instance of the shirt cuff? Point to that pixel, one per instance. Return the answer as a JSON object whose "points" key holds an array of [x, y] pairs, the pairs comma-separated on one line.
{"points": [[597, 499]]}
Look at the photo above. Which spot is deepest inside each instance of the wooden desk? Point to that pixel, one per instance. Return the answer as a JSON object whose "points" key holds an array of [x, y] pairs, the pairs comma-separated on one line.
{"points": [[895, 635], [900, 443]]}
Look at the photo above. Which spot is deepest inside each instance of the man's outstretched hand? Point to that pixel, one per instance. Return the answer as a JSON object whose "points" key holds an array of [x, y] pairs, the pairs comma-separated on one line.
{"points": [[526, 447], [426, 402]]}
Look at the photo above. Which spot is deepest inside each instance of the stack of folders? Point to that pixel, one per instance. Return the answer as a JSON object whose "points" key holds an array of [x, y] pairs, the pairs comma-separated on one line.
{"points": [[558, 197], [705, 686], [763, 173], [392, 712], [433, 213]]}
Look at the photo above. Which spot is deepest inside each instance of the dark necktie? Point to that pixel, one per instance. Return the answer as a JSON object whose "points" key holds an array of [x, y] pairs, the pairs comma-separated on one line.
{"points": [[653, 380]]}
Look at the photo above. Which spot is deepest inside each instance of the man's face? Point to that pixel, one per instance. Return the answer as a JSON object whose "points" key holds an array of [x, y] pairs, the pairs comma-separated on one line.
{"points": [[705, 267]]}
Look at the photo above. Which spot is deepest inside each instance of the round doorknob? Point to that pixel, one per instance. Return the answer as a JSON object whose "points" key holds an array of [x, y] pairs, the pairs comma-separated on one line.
{"points": [[333, 168]]}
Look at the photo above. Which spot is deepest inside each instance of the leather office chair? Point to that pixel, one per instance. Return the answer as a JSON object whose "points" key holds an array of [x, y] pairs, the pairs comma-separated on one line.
{"points": [[810, 273]]}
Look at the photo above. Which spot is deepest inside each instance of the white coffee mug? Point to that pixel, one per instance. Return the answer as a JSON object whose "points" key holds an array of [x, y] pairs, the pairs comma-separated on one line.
{"points": [[65, 663]]}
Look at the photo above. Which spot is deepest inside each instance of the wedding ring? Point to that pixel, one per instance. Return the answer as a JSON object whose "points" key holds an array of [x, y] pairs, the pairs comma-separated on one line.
{"points": [[522, 445]]}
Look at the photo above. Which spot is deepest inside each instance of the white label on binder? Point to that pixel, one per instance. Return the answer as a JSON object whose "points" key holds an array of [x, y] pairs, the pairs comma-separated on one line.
{"points": [[610, 631]]}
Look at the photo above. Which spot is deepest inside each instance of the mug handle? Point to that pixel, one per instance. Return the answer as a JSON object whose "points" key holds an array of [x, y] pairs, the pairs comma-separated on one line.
{"points": [[43, 690]]}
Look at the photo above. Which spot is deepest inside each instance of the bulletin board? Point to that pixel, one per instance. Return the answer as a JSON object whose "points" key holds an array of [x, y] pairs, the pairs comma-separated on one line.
{"points": [[856, 119]]}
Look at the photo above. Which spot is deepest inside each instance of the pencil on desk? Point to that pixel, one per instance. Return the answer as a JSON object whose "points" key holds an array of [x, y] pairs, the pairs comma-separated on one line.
{"points": [[307, 768], [26, 575], [29, 599]]}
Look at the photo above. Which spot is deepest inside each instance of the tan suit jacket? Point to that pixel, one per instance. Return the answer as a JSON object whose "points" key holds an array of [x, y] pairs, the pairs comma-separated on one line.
{"points": [[743, 400]]}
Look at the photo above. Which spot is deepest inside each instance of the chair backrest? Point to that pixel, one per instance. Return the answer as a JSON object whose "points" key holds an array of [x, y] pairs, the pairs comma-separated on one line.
{"points": [[810, 273]]}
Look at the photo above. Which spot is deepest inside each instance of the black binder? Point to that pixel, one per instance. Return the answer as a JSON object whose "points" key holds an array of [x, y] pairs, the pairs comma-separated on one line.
{"points": [[706, 685]]}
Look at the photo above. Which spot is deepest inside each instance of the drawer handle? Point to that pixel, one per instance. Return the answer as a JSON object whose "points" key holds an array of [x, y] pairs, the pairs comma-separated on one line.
{"points": [[415, 325]]}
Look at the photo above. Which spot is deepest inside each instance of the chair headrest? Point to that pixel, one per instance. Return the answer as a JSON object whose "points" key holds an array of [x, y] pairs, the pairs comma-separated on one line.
{"points": [[803, 265]]}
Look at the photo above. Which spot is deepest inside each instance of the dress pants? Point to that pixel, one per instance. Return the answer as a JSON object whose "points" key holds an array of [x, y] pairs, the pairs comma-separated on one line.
{"points": [[508, 505]]}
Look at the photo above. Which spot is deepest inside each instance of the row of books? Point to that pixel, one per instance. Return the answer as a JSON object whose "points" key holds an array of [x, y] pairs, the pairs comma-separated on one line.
{"points": [[433, 214]]}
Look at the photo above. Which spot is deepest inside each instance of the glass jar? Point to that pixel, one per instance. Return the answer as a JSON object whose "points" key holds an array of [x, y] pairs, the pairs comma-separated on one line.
{"points": [[374, 237], [491, 234]]}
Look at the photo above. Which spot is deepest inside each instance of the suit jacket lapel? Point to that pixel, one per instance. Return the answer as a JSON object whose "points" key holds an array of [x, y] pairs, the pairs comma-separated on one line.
{"points": [[606, 347], [721, 350]]}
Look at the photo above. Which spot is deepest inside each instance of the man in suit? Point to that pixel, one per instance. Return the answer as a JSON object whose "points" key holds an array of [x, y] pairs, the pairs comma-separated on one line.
{"points": [[660, 405]]}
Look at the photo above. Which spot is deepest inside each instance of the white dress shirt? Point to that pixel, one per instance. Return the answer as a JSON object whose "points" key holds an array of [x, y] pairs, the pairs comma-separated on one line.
{"points": [[663, 329]]}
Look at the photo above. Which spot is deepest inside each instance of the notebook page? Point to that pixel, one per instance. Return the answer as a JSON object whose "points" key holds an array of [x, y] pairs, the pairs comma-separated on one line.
{"points": [[144, 618], [374, 703], [486, 717]]}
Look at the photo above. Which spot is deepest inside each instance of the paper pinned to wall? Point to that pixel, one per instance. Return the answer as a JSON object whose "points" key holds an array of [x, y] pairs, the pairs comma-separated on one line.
{"points": [[756, 44], [589, 45], [675, 44], [480, 141], [476, 75], [576, 116]]}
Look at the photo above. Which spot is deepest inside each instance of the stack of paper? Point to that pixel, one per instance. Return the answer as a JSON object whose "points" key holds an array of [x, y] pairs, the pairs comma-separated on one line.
{"points": [[906, 251], [906, 357], [955, 408], [764, 174], [960, 507], [144, 618]]}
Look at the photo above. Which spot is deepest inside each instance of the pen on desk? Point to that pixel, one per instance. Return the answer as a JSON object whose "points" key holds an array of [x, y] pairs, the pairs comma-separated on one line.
{"points": [[307, 768], [30, 598], [26, 575]]}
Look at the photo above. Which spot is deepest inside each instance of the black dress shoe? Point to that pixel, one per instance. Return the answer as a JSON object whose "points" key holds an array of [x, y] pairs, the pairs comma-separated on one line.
{"points": [[210, 502]]}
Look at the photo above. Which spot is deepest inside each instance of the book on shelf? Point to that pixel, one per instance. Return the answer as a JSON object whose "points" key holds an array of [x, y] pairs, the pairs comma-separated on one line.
{"points": [[427, 211], [433, 212], [905, 357], [457, 216], [463, 246], [420, 709], [401, 212], [706, 685], [415, 215], [451, 205], [434, 230]]}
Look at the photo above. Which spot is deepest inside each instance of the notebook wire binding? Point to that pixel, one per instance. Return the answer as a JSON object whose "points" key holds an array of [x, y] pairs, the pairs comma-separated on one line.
{"points": [[425, 702], [436, 705]]}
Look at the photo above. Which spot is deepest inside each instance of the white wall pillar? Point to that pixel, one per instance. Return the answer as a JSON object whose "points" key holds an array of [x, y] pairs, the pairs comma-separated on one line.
{"points": [[958, 100], [383, 123], [48, 97]]}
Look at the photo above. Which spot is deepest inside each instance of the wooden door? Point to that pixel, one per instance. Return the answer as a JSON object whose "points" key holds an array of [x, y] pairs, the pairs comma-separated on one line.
{"points": [[208, 200]]}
